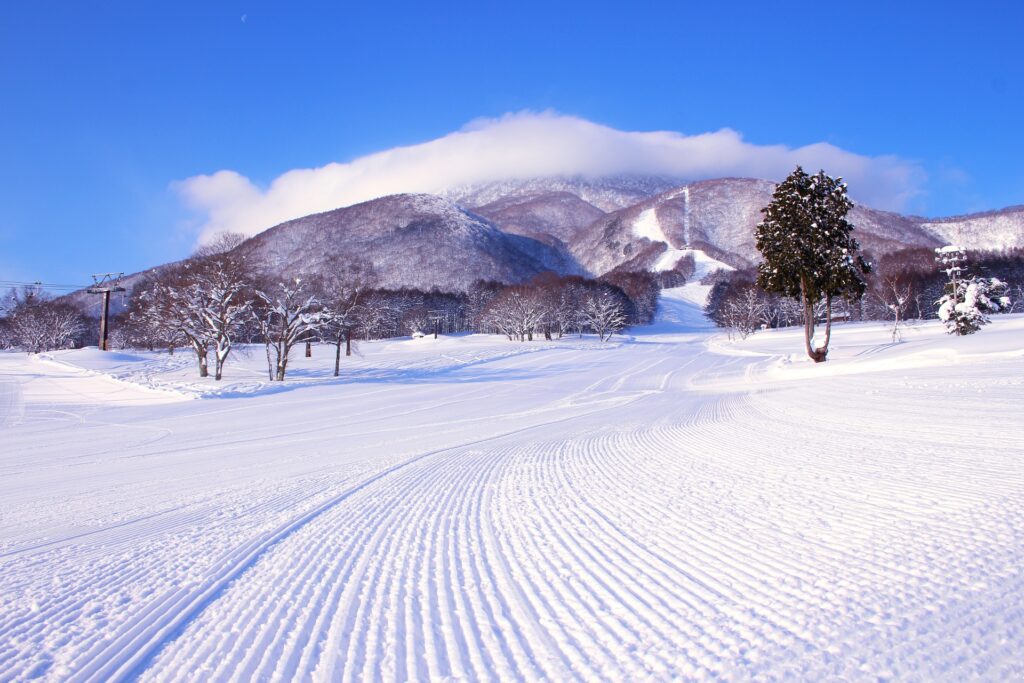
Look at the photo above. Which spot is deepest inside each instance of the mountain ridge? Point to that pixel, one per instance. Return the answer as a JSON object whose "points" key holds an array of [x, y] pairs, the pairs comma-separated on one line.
{"points": [[575, 226]]}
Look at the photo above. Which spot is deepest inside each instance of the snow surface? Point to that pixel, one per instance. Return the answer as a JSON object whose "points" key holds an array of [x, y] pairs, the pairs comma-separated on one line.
{"points": [[671, 505]]}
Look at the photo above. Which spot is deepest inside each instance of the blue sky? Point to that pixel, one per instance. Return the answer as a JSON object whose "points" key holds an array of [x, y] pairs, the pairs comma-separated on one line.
{"points": [[105, 106]]}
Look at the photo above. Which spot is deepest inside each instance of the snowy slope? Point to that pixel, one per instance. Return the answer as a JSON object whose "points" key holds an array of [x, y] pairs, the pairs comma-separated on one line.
{"points": [[410, 240], [669, 506], [991, 230], [719, 217], [608, 193]]}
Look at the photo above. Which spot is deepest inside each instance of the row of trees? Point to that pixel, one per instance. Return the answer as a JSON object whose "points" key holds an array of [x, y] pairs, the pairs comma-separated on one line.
{"points": [[32, 321], [912, 284], [210, 303]]}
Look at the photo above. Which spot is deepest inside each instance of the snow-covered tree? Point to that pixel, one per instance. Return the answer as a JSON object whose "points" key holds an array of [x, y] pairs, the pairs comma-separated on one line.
{"points": [[967, 300], [152, 314], [570, 302], [808, 250], [285, 314], [341, 296], [517, 312], [603, 313], [36, 323], [221, 243], [203, 302], [220, 291], [892, 292]]}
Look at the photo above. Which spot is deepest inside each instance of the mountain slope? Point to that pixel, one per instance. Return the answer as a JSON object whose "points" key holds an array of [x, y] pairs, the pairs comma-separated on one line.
{"points": [[606, 193], [514, 230], [561, 215], [410, 240], [719, 218], [1002, 229]]}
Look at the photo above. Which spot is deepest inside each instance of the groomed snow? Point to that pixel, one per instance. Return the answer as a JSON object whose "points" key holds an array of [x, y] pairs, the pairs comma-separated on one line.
{"points": [[668, 506]]}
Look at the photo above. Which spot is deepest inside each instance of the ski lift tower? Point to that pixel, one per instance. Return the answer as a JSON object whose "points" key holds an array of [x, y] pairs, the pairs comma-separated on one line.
{"points": [[436, 317], [105, 283]]}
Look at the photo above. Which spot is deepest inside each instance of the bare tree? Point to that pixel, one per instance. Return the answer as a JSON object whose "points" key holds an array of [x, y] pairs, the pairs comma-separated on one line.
{"points": [[221, 243], [203, 302], [893, 292], [285, 313], [169, 303], [36, 323], [152, 313], [342, 294], [747, 311], [516, 312], [604, 314], [220, 292]]}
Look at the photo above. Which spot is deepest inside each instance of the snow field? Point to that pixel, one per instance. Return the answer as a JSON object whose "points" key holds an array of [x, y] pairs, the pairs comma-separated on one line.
{"points": [[671, 506]]}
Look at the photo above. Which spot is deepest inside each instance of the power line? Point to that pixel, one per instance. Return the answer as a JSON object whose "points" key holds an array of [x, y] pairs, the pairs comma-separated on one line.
{"points": [[37, 283]]}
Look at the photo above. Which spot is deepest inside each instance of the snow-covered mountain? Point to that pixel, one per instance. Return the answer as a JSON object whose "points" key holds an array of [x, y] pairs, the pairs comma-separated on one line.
{"points": [[511, 231], [717, 217], [608, 193], [1003, 229], [561, 215], [411, 240]]}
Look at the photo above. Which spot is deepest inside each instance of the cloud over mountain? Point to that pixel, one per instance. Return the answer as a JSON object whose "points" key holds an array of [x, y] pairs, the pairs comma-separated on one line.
{"points": [[531, 145]]}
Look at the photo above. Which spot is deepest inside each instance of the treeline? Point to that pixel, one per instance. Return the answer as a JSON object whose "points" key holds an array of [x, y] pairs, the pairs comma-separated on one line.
{"points": [[903, 285], [213, 301], [32, 321]]}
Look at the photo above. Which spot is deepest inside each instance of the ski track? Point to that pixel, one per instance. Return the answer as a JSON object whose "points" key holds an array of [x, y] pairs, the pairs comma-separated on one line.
{"points": [[633, 523]]}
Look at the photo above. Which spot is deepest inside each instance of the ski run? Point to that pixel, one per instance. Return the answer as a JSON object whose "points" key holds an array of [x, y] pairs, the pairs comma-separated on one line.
{"points": [[667, 506]]}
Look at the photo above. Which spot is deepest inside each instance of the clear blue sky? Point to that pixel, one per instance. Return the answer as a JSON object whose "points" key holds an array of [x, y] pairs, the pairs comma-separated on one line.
{"points": [[104, 104]]}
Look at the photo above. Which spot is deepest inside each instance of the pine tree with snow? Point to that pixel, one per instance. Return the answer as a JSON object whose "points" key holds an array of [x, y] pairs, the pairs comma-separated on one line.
{"points": [[963, 308], [808, 250]]}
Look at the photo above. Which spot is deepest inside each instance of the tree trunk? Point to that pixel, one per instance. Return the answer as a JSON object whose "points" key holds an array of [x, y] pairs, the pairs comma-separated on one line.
{"points": [[896, 323], [337, 356], [270, 365], [309, 349], [203, 370], [822, 350], [348, 343], [814, 354]]}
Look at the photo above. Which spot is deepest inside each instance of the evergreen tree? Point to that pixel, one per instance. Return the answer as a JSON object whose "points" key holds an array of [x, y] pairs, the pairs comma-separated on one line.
{"points": [[808, 250], [967, 299]]}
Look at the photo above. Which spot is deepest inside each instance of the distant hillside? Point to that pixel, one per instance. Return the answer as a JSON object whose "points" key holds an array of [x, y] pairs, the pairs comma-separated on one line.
{"points": [[561, 215], [1001, 229], [410, 240]]}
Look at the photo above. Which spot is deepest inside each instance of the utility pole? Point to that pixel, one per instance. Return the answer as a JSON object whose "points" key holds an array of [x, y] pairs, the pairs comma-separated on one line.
{"points": [[105, 283]]}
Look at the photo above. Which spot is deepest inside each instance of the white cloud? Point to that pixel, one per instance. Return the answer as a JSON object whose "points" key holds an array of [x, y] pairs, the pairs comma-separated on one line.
{"points": [[527, 145]]}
